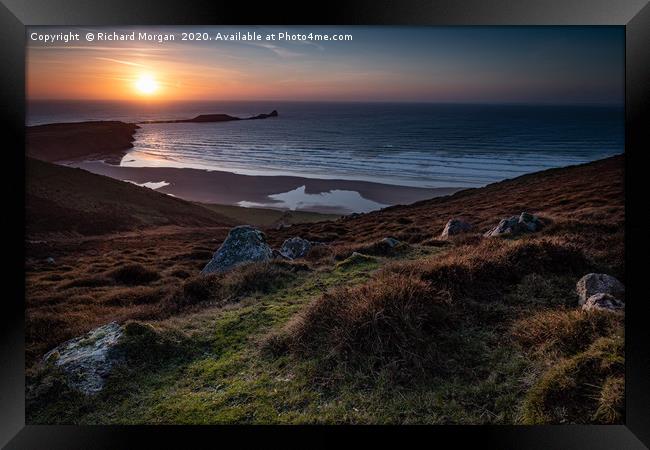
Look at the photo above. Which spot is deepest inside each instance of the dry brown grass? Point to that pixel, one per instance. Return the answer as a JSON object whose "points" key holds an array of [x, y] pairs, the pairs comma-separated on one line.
{"points": [[390, 321], [585, 388], [585, 195], [221, 288], [410, 318], [485, 269], [396, 318], [556, 333], [134, 274], [117, 277]]}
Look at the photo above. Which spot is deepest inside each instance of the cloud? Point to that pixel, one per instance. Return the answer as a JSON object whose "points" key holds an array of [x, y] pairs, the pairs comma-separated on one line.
{"points": [[119, 61], [281, 52]]}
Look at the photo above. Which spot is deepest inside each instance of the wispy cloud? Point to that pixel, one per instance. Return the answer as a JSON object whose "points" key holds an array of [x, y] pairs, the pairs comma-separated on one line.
{"points": [[281, 52], [119, 61]]}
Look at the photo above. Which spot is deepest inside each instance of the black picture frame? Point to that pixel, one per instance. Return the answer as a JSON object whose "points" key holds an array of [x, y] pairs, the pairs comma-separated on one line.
{"points": [[634, 15]]}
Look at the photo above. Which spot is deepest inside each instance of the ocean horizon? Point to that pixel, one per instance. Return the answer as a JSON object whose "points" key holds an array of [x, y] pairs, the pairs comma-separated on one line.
{"points": [[409, 144]]}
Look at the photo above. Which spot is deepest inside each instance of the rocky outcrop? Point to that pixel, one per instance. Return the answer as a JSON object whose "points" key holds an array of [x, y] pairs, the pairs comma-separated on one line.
{"points": [[602, 301], [454, 227], [515, 225], [273, 113], [295, 247], [598, 283], [208, 118], [87, 360], [244, 244]]}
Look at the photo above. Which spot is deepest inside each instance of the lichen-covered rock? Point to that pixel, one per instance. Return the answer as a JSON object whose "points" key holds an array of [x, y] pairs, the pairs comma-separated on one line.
{"points": [[515, 225], [87, 360], [244, 244], [295, 247], [603, 302], [454, 227], [598, 283]]}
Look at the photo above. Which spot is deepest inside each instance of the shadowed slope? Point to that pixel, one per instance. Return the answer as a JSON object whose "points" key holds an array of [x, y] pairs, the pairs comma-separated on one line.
{"points": [[65, 200]]}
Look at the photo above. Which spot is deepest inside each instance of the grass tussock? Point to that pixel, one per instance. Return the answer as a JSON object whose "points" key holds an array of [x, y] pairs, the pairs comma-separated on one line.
{"points": [[133, 274], [390, 322], [134, 295], [484, 270], [145, 345], [413, 315], [355, 259], [323, 254], [221, 288], [553, 333], [585, 388], [582, 359]]}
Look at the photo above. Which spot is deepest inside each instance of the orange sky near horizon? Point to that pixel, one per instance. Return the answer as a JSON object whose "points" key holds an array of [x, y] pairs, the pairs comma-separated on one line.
{"points": [[114, 74], [429, 64]]}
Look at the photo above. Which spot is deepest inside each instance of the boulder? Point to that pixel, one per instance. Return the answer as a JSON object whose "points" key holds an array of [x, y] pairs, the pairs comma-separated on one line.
{"points": [[515, 225], [528, 222], [389, 242], [87, 360], [295, 247], [598, 283], [244, 244], [455, 226], [603, 302]]}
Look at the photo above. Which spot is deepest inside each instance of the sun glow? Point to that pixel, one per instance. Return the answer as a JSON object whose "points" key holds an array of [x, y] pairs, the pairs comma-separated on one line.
{"points": [[146, 85]]}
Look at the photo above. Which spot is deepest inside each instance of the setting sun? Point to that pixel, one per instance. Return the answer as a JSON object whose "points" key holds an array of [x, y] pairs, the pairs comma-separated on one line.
{"points": [[146, 84]]}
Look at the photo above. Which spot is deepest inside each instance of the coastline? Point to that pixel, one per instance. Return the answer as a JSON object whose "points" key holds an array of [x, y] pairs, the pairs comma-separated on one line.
{"points": [[109, 140], [98, 147], [228, 188]]}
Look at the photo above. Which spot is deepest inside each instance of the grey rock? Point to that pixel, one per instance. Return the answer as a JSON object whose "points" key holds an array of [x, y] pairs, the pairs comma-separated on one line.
{"points": [[50, 260], [598, 283], [454, 227], [295, 247], [603, 302], [390, 242], [529, 222], [515, 225], [87, 360], [244, 244]]}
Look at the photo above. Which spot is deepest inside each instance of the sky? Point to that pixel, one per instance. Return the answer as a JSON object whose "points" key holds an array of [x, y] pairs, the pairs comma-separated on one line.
{"points": [[551, 65]]}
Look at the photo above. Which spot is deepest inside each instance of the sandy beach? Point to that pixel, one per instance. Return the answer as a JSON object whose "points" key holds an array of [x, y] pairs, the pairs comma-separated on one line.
{"points": [[98, 147], [230, 188]]}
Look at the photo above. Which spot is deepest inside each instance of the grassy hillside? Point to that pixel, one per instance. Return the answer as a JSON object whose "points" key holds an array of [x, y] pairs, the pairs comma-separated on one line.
{"points": [[471, 330], [586, 193], [73, 201], [65, 141]]}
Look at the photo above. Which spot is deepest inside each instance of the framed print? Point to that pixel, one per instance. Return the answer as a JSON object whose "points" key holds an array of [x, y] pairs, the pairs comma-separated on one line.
{"points": [[421, 218]]}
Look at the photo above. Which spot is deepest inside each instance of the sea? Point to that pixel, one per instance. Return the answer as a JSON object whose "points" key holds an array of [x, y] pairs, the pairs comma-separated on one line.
{"points": [[414, 144]]}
